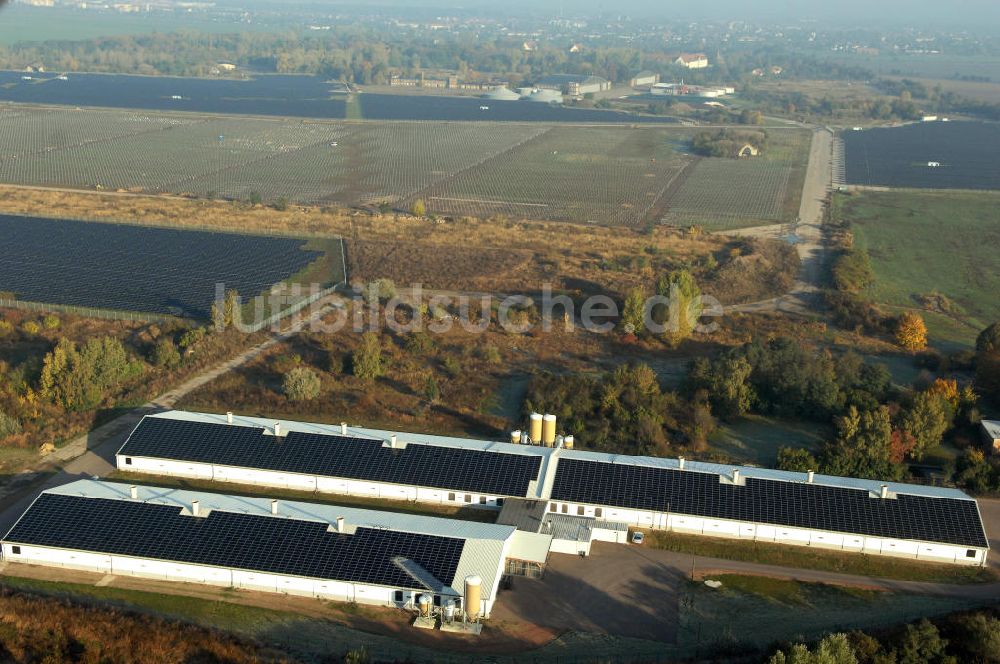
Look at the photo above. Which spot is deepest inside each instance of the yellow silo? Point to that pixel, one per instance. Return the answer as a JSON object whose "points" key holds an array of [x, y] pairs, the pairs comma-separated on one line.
{"points": [[535, 428], [549, 430]]}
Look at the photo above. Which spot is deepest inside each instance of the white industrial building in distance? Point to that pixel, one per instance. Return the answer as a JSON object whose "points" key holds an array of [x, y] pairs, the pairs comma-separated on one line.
{"points": [[307, 549], [806, 509]]}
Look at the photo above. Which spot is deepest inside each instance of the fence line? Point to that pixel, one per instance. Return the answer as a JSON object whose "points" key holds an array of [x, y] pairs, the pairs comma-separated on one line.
{"points": [[85, 312], [290, 311]]}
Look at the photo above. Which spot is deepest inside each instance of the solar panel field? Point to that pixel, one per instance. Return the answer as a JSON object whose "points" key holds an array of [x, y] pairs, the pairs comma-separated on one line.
{"points": [[117, 267], [614, 175]]}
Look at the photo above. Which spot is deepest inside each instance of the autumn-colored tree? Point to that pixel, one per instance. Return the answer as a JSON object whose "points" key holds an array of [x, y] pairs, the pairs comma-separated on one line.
{"points": [[911, 331], [632, 321], [419, 208], [901, 445], [946, 389]]}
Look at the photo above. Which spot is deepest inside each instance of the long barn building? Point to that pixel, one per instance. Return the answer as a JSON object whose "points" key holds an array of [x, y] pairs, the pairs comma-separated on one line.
{"points": [[306, 549], [919, 522]]}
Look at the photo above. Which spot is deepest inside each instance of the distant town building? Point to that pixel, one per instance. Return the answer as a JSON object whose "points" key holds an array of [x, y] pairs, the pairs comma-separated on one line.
{"points": [[991, 434], [576, 48], [692, 60], [574, 85], [226, 66], [682, 89], [644, 79], [445, 82], [530, 46], [748, 150]]}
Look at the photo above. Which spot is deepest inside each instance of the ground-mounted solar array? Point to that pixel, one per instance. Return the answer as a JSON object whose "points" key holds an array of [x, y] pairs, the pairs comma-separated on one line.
{"points": [[964, 154], [606, 174], [791, 504], [334, 456], [231, 540], [280, 95], [142, 269]]}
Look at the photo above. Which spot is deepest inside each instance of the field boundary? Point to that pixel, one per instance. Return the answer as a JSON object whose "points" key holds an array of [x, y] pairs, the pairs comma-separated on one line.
{"points": [[87, 312]]}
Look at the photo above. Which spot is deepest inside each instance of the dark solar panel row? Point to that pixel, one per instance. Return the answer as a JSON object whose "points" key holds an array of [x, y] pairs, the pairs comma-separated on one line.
{"points": [[335, 456], [775, 502], [240, 541]]}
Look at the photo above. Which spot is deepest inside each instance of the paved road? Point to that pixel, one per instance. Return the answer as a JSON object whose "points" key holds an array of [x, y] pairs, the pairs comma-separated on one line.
{"points": [[808, 231], [634, 590], [92, 454]]}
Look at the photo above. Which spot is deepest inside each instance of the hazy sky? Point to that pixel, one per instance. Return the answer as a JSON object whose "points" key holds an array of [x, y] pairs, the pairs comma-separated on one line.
{"points": [[979, 14]]}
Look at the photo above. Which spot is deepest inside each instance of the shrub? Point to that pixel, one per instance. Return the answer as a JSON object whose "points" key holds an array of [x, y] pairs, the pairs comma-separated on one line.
{"points": [[335, 363], [796, 459], [51, 322], [165, 354], [431, 390], [419, 208], [301, 384], [366, 361], [452, 366], [492, 354], [9, 426], [852, 271], [192, 337], [31, 327], [419, 343]]}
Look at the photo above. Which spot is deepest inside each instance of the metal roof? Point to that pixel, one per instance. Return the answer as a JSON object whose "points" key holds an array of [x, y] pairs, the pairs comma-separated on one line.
{"points": [[482, 553], [547, 454], [992, 428], [389, 458]]}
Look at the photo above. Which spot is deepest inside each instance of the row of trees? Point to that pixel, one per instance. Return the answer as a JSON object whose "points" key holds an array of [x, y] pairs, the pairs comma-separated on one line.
{"points": [[364, 55], [972, 638]]}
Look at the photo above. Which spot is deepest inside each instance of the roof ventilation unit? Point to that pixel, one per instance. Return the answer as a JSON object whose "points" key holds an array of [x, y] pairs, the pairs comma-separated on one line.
{"points": [[133, 492], [277, 430], [274, 507], [229, 417], [809, 476], [885, 491], [680, 462], [195, 508], [343, 428]]}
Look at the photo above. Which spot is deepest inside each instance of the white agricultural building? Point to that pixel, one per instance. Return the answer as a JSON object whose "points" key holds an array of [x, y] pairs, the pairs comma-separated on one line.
{"points": [[806, 509], [307, 549]]}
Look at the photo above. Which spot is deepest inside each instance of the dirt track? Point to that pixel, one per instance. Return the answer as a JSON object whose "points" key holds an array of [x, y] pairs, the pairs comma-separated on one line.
{"points": [[808, 231]]}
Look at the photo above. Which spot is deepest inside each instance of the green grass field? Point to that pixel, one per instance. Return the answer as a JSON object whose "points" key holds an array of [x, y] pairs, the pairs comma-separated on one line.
{"points": [[756, 439], [758, 611], [933, 244], [818, 559]]}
